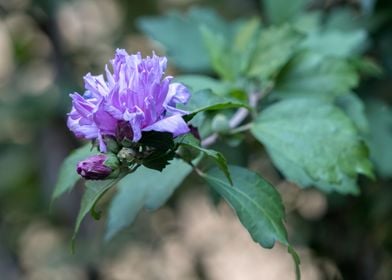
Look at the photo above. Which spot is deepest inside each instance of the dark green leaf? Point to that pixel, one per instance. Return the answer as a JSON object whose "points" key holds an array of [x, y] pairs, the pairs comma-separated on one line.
{"points": [[181, 37], [380, 140], [145, 188], [257, 204], [67, 175], [313, 75], [313, 143], [163, 144], [157, 139]]}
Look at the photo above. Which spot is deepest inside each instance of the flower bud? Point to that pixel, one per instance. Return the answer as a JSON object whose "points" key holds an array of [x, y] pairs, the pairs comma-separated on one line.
{"points": [[97, 167]]}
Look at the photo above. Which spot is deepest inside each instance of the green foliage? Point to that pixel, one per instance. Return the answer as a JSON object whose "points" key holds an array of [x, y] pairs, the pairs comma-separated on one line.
{"points": [[282, 11], [94, 191], [257, 204], [380, 138], [199, 82], [336, 43], [163, 145], [190, 141], [145, 188], [313, 143], [275, 46], [206, 100], [68, 177], [181, 37], [354, 108], [238, 45], [310, 74]]}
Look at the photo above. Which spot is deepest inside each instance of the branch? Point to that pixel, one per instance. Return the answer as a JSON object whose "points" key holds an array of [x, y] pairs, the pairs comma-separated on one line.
{"points": [[240, 115]]}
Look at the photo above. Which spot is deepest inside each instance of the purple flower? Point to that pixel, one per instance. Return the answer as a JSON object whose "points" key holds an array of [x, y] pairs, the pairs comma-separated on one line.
{"points": [[94, 168], [134, 95]]}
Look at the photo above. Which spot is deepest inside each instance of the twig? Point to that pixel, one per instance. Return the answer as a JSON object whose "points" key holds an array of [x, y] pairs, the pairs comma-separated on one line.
{"points": [[240, 115]]}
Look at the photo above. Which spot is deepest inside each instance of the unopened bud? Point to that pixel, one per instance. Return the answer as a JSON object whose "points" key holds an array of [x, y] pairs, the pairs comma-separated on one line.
{"points": [[97, 167]]}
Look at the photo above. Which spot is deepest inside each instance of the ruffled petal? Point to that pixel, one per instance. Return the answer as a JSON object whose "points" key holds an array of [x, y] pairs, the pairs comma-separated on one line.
{"points": [[174, 124]]}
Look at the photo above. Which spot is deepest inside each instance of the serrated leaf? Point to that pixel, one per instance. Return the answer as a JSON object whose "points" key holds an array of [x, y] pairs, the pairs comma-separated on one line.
{"points": [[93, 192], [146, 188], [281, 11], [190, 141], [257, 204], [380, 138], [310, 74], [68, 177], [173, 28], [275, 47], [206, 100], [313, 143]]}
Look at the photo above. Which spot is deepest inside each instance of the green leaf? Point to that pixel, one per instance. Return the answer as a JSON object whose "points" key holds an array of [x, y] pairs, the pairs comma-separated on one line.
{"points": [[94, 191], [275, 47], [336, 43], [281, 11], [206, 100], [199, 82], [181, 37], [145, 188], [313, 143], [67, 175], [190, 141], [313, 75], [257, 204], [380, 139], [231, 53], [354, 108], [163, 144]]}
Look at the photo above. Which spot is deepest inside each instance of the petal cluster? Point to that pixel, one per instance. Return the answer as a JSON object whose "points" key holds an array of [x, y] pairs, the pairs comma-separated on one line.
{"points": [[135, 94]]}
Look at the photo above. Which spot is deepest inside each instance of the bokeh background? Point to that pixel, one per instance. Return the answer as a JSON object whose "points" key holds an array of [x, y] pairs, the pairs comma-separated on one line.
{"points": [[46, 46]]}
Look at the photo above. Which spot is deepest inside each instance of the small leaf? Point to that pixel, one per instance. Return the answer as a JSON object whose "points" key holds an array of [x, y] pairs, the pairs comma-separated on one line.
{"points": [[276, 45], [94, 191], [310, 74], [230, 53], [257, 204], [313, 143], [190, 141], [206, 100], [164, 145], [67, 175], [145, 188]]}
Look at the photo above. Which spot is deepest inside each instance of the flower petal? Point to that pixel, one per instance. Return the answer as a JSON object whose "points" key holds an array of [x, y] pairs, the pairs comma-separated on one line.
{"points": [[174, 124]]}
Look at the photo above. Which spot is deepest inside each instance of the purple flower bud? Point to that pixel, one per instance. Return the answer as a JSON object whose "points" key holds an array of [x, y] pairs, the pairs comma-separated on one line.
{"points": [[94, 168]]}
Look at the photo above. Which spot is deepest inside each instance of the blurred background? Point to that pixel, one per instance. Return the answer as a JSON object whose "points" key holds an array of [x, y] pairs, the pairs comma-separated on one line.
{"points": [[46, 46]]}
